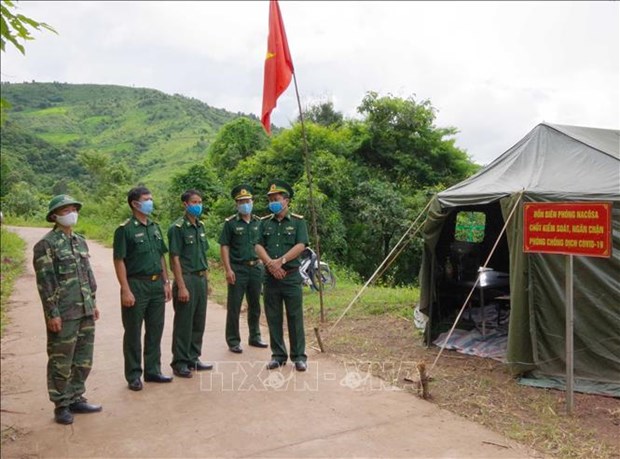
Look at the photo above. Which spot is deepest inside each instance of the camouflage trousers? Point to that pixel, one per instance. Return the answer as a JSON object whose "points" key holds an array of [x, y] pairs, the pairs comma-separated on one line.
{"points": [[70, 358]]}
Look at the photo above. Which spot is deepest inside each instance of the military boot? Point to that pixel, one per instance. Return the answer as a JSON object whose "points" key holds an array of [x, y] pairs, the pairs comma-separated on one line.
{"points": [[62, 415]]}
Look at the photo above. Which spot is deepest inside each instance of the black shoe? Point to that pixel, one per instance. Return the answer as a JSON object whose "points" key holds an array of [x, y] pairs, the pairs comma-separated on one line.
{"points": [[300, 366], [135, 385], [62, 415], [84, 407], [236, 349], [258, 343], [201, 366], [275, 364], [182, 372], [158, 378]]}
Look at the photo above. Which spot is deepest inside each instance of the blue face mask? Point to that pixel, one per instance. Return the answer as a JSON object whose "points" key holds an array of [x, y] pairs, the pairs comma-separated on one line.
{"points": [[194, 209], [245, 208], [275, 207], [146, 207]]}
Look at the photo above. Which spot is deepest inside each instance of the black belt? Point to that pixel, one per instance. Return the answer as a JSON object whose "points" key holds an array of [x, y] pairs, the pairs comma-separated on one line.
{"points": [[196, 273], [248, 263], [152, 277], [288, 272]]}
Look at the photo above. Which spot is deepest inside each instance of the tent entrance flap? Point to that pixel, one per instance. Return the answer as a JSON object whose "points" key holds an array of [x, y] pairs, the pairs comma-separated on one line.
{"points": [[465, 241]]}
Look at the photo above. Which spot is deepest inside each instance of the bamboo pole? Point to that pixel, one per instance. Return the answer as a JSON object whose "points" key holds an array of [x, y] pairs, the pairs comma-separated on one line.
{"points": [[315, 231], [380, 268]]}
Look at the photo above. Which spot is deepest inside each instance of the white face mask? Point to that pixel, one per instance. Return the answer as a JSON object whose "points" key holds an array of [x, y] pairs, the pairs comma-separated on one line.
{"points": [[69, 219]]}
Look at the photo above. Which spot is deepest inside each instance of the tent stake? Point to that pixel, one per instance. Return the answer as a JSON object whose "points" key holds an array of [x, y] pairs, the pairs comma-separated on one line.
{"points": [[318, 339]]}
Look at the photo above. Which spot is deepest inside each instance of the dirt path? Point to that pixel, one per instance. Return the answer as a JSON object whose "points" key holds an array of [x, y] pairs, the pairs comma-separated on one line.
{"points": [[238, 410]]}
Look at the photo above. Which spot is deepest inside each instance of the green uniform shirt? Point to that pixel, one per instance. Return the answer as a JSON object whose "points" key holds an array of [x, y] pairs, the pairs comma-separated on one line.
{"points": [[65, 279], [189, 242], [241, 237], [141, 246], [278, 237]]}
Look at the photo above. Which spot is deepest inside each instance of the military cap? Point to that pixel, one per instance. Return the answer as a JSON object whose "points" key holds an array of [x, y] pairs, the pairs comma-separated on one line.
{"points": [[243, 191], [280, 186], [60, 201]]}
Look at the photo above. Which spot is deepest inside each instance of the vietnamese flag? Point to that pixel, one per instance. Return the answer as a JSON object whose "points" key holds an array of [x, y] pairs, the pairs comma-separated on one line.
{"points": [[278, 64]]}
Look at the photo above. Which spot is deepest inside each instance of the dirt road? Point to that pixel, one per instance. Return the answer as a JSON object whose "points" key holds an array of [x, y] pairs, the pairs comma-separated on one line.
{"points": [[237, 410]]}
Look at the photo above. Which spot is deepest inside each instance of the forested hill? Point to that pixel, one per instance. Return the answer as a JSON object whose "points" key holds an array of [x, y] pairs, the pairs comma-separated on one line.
{"points": [[49, 124], [372, 174]]}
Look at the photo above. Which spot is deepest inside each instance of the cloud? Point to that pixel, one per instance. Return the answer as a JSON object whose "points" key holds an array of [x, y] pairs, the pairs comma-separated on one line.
{"points": [[492, 69]]}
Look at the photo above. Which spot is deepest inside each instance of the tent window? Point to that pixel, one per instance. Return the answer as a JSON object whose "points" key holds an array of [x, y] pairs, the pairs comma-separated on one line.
{"points": [[470, 226]]}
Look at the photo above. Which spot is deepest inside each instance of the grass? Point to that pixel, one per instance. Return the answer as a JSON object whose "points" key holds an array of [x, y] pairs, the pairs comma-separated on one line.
{"points": [[61, 138], [12, 256], [376, 300]]}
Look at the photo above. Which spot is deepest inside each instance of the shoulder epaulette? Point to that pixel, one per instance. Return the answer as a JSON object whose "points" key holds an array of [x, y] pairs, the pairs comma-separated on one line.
{"points": [[231, 217], [178, 222], [125, 222], [301, 217], [267, 217]]}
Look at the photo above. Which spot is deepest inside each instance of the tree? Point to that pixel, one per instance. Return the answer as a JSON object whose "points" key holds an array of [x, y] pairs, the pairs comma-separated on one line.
{"points": [[105, 174], [323, 114], [15, 27], [399, 137], [235, 141]]}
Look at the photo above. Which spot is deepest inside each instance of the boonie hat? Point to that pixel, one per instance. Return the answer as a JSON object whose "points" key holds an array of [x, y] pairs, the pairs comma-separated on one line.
{"points": [[60, 201]]}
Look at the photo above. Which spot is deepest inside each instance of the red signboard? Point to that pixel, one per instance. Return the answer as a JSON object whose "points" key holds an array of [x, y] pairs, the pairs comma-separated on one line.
{"points": [[571, 228]]}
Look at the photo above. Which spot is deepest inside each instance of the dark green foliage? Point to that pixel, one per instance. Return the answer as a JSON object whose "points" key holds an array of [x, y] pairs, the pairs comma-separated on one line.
{"points": [[401, 140], [236, 141], [324, 114]]}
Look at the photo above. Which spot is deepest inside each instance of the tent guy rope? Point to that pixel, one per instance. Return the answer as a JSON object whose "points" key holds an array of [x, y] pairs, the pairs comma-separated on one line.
{"points": [[385, 263]]}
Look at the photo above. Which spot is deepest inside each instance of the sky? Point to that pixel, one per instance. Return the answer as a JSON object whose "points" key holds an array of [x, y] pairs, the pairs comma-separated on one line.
{"points": [[492, 70]]}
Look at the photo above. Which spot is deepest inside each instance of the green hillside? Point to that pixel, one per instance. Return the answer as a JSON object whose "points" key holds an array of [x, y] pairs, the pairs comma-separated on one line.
{"points": [[155, 134]]}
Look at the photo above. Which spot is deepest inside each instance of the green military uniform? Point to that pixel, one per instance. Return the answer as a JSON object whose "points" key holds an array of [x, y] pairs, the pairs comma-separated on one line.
{"points": [[278, 237], [189, 242], [67, 288], [141, 247], [241, 236]]}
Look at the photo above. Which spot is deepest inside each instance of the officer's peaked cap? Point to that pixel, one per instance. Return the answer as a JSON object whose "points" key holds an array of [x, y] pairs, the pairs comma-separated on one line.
{"points": [[280, 186], [243, 191]]}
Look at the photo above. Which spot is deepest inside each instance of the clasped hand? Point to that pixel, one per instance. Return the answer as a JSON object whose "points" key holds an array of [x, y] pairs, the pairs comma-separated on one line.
{"points": [[276, 270]]}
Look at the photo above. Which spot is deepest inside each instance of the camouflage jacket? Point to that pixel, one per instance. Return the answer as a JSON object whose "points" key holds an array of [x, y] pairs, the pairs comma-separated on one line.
{"points": [[64, 277]]}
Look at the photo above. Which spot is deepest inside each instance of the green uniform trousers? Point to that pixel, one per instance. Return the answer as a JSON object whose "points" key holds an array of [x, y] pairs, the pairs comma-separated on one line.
{"points": [[285, 292], [189, 321], [149, 308], [70, 358], [248, 282]]}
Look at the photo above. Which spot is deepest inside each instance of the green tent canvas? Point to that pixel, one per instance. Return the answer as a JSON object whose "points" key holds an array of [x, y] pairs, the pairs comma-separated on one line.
{"points": [[552, 163]]}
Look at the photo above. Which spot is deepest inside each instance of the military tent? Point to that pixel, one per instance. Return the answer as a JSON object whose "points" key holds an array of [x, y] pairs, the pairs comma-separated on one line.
{"points": [[552, 163]]}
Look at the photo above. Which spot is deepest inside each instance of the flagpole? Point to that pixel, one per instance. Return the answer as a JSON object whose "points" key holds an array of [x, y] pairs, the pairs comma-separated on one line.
{"points": [[315, 232]]}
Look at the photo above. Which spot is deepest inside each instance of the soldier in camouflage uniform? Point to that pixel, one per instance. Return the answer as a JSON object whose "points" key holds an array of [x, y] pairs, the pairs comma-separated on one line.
{"points": [[283, 236], [244, 271], [67, 288]]}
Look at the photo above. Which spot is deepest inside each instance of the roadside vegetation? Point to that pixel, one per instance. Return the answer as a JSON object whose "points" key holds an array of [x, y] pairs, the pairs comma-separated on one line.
{"points": [[12, 257]]}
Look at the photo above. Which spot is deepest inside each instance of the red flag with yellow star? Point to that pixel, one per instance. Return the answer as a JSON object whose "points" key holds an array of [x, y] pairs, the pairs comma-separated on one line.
{"points": [[278, 64]]}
